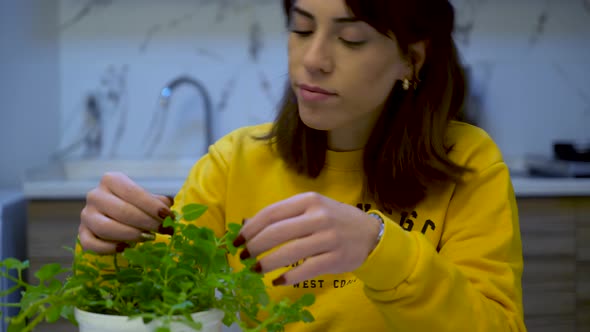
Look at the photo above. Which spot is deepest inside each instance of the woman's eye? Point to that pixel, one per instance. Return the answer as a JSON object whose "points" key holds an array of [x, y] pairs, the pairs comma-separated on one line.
{"points": [[351, 43], [302, 33]]}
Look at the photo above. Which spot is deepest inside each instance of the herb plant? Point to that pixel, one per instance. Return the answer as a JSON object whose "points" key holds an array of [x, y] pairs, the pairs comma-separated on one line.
{"points": [[167, 281]]}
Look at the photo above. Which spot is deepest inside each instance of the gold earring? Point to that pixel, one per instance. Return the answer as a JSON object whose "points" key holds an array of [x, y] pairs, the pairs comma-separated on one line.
{"points": [[406, 84]]}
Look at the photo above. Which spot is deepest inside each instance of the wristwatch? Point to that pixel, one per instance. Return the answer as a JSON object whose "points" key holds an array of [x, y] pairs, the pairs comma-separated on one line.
{"points": [[381, 226]]}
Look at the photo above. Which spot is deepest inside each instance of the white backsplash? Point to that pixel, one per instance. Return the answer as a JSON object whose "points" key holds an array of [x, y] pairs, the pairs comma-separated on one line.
{"points": [[530, 63]]}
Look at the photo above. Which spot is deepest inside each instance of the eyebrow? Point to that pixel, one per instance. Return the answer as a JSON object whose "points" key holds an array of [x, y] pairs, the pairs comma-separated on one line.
{"points": [[302, 12]]}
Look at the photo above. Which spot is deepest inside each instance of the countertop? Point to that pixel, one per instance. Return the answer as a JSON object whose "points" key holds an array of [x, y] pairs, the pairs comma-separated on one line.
{"points": [[9, 196], [50, 183]]}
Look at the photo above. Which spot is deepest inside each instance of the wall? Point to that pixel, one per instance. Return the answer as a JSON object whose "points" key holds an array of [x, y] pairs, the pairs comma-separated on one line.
{"points": [[29, 87], [123, 54], [529, 61]]}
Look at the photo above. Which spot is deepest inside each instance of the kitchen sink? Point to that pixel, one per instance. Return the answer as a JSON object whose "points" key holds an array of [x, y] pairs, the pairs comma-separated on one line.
{"points": [[135, 169]]}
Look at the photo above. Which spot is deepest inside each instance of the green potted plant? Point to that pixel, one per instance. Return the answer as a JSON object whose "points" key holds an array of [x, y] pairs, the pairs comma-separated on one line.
{"points": [[184, 284]]}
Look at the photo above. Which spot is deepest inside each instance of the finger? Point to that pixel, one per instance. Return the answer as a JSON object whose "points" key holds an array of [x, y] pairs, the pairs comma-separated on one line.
{"points": [[123, 187], [288, 208], [117, 209], [89, 241], [107, 229], [294, 251], [168, 200], [281, 232], [311, 268]]}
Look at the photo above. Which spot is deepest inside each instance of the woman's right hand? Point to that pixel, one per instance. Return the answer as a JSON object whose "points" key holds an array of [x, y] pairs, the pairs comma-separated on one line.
{"points": [[119, 211]]}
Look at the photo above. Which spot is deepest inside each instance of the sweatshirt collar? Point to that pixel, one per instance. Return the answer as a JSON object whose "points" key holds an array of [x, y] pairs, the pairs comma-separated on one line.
{"points": [[348, 160]]}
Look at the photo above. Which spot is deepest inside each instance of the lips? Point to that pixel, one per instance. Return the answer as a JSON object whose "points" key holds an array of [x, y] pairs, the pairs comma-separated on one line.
{"points": [[313, 94], [316, 89]]}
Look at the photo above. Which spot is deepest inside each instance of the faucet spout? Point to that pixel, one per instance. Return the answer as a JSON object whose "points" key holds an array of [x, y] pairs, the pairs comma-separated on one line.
{"points": [[168, 90]]}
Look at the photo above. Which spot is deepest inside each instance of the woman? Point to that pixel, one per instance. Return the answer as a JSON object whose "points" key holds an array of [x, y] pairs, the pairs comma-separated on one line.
{"points": [[365, 190]]}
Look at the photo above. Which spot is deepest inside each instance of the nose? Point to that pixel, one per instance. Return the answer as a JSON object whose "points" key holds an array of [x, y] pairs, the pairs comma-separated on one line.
{"points": [[317, 58]]}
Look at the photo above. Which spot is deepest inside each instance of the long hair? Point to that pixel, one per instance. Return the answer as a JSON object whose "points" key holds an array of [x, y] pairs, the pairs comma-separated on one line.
{"points": [[406, 152]]}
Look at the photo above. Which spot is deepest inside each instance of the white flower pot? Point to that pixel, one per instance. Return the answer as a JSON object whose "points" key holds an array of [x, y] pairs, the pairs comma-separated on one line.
{"points": [[92, 322]]}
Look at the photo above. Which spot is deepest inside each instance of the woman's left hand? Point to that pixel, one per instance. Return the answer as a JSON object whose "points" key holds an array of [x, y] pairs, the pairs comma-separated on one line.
{"points": [[331, 237]]}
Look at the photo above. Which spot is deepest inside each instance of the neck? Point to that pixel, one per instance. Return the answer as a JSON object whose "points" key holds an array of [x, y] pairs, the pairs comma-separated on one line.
{"points": [[344, 139], [353, 136]]}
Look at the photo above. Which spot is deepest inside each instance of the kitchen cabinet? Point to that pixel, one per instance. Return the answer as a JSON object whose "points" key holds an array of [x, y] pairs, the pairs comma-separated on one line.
{"points": [[556, 248], [52, 225]]}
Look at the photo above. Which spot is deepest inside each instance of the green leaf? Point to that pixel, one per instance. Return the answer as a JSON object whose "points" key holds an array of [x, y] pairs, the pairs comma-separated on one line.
{"points": [[48, 271], [307, 299], [177, 274], [53, 313], [182, 307], [13, 263], [307, 317], [191, 232], [18, 327], [82, 269], [67, 311], [135, 256], [168, 222], [233, 230], [192, 212], [54, 286], [197, 326], [128, 276]]}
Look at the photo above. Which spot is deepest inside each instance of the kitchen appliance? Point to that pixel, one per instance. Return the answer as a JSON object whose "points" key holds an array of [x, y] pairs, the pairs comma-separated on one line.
{"points": [[570, 159]]}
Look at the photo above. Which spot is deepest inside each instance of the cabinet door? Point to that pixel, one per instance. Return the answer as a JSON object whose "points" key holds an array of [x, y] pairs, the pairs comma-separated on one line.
{"points": [[549, 249], [583, 264], [52, 225]]}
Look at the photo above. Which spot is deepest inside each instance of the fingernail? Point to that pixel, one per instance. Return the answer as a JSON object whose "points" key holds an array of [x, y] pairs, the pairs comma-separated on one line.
{"points": [[145, 236], [245, 254], [166, 230], [257, 267], [164, 212], [121, 247], [171, 200], [279, 281], [239, 240]]}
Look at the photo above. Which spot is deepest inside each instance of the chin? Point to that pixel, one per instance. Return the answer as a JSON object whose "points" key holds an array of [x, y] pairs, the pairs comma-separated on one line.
{"points": [[314, 119]]}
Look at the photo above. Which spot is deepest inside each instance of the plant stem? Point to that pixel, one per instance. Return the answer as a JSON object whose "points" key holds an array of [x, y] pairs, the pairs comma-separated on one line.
{"points": [[39, 304], [116, 262], [35, 321], [10, 305], [18, 281]]}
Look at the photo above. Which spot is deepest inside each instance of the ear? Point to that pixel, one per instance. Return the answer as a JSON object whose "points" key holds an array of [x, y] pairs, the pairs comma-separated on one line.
{"points": [[417, 55]]}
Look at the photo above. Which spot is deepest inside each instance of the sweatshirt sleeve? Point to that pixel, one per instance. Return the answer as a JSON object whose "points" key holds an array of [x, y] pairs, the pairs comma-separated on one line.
{"points": [[207, 184], [472, 282]]}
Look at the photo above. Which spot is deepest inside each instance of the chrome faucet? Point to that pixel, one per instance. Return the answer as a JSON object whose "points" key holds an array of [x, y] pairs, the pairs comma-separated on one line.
{"points": [[166, 95]]}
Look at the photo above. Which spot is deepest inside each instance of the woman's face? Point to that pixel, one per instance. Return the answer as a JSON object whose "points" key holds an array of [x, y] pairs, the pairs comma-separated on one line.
{"points": [[341, 69]]}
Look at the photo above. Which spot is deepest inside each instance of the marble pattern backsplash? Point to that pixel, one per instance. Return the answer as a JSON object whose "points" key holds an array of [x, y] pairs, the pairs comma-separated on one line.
{"points": [[528, 60]]}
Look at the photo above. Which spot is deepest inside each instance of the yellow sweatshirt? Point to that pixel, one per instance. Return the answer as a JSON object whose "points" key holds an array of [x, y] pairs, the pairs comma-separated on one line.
{"points": [[453, 263]]}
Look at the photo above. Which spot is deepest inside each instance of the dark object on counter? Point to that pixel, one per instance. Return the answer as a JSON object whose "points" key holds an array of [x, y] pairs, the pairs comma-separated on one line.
{"points": [[549, 167], [571, 151]]}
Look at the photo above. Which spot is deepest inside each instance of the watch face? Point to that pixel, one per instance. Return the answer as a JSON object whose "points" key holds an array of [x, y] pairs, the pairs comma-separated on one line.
{"points": [[381, 227], [376, 216]]}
